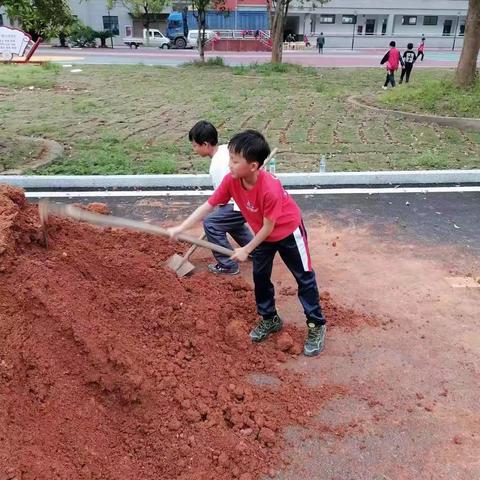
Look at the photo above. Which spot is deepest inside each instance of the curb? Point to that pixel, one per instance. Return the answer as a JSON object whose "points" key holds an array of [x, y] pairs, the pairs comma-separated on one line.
{"points": [[190, 181], [459, 122], [51, 150]]}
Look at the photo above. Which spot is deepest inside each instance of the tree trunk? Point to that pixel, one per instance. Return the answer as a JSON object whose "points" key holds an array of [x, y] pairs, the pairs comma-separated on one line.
{"points": [[147, 25], [202, 25], [63, 39], [467, 66], [278, 26]]}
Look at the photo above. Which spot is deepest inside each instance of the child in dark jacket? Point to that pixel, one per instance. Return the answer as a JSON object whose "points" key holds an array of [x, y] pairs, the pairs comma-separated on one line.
{"points": [[409, 58], [392, 59]]}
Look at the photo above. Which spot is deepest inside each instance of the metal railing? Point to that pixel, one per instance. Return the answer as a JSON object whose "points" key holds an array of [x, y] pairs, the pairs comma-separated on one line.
{"points": [[243, 34]]}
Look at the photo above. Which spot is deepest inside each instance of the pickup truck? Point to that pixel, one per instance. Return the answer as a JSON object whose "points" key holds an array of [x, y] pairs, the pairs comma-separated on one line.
{"points": [[156, 39]]}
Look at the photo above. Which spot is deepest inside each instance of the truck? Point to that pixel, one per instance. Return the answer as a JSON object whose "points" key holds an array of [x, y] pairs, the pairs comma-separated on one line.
{"points": [[156, 38], [177, 28]]}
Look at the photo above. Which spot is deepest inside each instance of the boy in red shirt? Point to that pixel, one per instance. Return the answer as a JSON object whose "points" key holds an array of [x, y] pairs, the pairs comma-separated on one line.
{"points": [[392, 58], [277, 223]]}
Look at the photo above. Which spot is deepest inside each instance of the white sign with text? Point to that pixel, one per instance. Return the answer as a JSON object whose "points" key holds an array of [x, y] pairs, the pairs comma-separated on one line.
{"points": [[13, 42]]}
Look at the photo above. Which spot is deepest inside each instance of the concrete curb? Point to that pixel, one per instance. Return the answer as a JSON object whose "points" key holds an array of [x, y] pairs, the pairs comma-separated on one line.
{"points": [[459, 122], [51, 150], [336, 179]]}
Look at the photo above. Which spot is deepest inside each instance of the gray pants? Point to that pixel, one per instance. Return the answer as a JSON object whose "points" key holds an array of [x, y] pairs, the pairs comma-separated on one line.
{"points": [[225, 220]]}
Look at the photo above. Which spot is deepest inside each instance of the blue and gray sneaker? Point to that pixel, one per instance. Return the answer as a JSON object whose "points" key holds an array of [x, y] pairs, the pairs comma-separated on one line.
{"points": [[315, 341], [265, 327], [221, 270]]}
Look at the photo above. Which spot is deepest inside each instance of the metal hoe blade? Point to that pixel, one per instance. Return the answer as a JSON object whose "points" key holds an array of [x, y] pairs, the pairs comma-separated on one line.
{"points": [[180, 265]]}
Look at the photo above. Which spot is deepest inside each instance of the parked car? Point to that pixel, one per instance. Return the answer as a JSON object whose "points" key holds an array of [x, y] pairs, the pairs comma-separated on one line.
{"points": [[156, 37], [192, 37]]}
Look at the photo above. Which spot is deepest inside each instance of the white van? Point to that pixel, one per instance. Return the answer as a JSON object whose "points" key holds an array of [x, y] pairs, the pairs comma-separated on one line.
{"points": [[192, 37], [156, 37]]}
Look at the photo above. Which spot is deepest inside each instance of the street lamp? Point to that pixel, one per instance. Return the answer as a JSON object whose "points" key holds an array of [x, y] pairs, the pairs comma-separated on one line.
{"points": [[354, 21], [110, 27], [455, 31]]}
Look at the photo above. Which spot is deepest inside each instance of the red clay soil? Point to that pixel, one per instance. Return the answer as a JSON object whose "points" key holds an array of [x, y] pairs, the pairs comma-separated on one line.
{"points": [[111, 367]]}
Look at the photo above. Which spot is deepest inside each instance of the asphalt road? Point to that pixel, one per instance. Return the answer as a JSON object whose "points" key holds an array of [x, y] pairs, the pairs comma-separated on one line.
{"points": [[338, 58], [434, 218]]}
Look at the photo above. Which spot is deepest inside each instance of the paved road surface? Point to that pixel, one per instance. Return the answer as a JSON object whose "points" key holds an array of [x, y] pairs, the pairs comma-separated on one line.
{"points": [[411, 261], [155, 56]]}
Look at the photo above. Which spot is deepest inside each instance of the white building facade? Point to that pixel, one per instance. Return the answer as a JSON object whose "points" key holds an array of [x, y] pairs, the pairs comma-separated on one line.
{"points": [[374, 23]]}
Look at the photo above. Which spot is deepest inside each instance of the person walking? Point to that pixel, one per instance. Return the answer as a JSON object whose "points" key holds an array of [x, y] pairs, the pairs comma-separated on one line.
{"points": [[409, 58], [320, 42], [392, 59], [421, 48]]}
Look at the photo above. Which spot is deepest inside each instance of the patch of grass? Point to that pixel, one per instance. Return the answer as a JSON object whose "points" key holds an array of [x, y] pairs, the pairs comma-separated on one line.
{"points": [[53, 67], [22, 76], [129, 119], [268, 69], [437, 96], [209, 62]]}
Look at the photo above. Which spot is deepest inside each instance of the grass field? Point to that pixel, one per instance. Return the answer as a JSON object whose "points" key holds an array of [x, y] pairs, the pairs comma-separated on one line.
{"points": [[135, 119]]}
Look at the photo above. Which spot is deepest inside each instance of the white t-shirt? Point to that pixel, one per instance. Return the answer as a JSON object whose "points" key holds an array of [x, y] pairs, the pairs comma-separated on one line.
{"points": [[219, 168]]}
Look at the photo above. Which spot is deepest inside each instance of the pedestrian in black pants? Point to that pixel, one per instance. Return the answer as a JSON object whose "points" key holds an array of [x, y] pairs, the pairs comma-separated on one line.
{"points": [[391, 60], [409, 58], [320, 42]]}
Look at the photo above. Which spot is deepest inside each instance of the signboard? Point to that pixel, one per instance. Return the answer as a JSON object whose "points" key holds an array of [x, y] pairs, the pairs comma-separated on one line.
{"points": [[16, 43]]}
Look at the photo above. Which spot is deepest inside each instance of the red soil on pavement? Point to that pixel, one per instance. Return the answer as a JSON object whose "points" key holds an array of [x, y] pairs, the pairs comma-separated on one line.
{"points": [[111, 367]]}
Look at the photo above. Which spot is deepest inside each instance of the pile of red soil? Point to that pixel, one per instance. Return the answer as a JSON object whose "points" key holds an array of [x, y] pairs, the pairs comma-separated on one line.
{"points": [[111, 367]]}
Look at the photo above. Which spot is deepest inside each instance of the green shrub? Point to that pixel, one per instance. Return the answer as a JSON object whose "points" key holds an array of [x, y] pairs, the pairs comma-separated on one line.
{"points": [[83, 36]]}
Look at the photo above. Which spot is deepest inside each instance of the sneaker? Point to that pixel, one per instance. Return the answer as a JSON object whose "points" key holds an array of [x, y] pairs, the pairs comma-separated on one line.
{"points": [[315, 341], [384, 88], [220, 269], [265, 327]]}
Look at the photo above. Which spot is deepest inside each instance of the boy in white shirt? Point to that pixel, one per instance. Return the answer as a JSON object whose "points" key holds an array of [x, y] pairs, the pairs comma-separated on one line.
{"points": [[227, 218]]}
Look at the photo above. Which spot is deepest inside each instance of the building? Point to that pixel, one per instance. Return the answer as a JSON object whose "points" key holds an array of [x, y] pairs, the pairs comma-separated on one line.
{"points": [[370, 23], [345, 23], [241, 14]]}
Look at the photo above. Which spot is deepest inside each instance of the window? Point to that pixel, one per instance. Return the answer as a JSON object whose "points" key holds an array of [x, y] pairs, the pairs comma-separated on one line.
{"points": [[447, 28], [384, 26], [327, 18], [110, 23], [351, 19], [462, 30], [1, 20], [430, 20], [409, 20]]}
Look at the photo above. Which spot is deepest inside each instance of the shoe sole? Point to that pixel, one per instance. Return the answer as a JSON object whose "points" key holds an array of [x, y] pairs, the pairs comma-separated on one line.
{"points": [[258, 340], [225, 273], [314, 353]]}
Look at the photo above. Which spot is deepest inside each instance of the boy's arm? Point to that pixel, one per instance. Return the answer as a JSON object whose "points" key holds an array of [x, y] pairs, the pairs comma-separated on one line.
{"points": [[199, 214], [242, 254], [220, 196], [385, 58]]}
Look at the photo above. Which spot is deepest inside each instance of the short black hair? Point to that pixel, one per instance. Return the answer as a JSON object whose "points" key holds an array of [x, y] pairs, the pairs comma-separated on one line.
{"points": [[410, 46], [203, 132], [251, 144], [392, 43]]}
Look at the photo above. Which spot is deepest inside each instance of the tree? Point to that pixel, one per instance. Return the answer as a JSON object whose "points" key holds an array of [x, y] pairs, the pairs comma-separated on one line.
{"points": [[280, 12], [142, 8], [200, 8], [40, 18], [467, 65]]}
